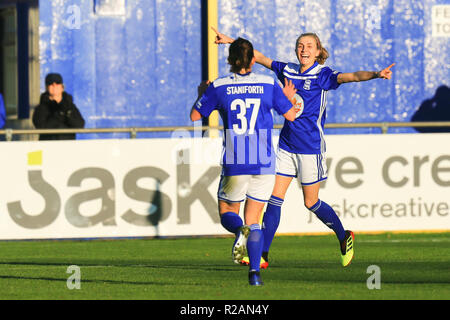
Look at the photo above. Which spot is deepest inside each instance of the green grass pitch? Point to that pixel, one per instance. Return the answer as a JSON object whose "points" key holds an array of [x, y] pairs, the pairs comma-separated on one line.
{"points": [[411, 266]]}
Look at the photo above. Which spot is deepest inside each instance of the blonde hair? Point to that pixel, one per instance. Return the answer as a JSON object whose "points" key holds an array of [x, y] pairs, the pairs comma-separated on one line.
{"points": [[323, 56]]}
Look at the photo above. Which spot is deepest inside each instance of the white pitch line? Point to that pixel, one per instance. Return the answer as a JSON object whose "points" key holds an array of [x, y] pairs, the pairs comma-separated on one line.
{"points": [[403, 240]]}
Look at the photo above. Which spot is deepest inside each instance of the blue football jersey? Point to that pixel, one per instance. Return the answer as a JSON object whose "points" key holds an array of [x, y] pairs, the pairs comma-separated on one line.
{"points": [[305, 134], [2, 112], [244, 103]]}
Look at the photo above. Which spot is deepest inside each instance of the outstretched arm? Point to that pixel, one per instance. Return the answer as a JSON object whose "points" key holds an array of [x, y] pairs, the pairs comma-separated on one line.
{"points": [[260, 58], [365, 75]]}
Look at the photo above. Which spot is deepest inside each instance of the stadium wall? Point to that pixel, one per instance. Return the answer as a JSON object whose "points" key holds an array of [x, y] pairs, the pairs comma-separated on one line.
{"points": [[131, 188], [134, 63], [137, 63]]}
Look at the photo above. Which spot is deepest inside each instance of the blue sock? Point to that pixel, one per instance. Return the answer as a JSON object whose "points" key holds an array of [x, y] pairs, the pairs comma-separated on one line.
{"points": [[231, 221], [271, 221], [327, 215], [254, 246]]}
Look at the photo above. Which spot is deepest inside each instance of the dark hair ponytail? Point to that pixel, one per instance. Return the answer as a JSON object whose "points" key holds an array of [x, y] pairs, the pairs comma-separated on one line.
{"points": [[323, 56], [240, 55]]}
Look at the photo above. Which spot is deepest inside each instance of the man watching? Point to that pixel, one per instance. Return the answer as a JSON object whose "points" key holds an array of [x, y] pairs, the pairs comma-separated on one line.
{"points": [[56, 110]]}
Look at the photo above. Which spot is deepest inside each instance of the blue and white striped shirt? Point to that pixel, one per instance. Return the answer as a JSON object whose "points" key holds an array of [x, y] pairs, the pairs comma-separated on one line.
{"points": [[305, 134]]}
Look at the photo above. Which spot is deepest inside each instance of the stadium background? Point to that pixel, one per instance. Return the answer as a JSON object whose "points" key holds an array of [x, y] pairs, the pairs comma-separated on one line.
{"points": [[139, 65]]}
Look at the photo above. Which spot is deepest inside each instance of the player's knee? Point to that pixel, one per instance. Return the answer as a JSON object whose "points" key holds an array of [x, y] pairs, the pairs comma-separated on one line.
{"points": [[225, 206], [310, 202]]}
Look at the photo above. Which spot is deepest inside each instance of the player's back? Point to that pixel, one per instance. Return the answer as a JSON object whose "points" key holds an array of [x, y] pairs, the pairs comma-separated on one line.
{"points": [[245, 103]]}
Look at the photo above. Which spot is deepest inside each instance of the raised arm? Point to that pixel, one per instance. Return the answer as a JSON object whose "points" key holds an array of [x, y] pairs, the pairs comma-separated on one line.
{"points": [[365, 75], [260, 58]]}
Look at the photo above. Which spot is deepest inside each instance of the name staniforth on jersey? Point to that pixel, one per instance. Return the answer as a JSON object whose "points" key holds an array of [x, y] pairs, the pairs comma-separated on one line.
{"points": [[245, 89]]}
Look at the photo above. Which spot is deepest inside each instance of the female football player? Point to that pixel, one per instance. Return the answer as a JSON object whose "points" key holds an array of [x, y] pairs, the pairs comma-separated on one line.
{"points": [[244, 101], [301, 149]]}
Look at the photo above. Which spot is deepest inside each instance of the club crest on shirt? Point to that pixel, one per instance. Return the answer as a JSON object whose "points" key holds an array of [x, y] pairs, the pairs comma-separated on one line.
{"points": [[299, 105], [307, 85]]}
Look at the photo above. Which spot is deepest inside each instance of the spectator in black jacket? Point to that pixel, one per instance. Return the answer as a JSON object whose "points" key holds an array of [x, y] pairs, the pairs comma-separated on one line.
{"points": [[56, 110]]}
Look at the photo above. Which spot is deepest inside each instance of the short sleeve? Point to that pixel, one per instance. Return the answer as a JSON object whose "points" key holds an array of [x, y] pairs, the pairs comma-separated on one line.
{"points": [[328, 79], [207, 102], [278, 68]]}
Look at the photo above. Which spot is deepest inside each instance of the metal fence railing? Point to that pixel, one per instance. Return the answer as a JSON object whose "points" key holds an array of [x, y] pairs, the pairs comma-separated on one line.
{"points": [[133, 131]]}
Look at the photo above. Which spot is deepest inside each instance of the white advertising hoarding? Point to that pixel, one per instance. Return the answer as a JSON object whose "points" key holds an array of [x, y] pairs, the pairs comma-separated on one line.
{"points": [[147, 187], [382, 183]]}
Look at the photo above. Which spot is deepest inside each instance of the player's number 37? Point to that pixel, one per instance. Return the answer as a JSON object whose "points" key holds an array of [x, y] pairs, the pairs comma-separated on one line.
{"points": [[243, 105]]}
